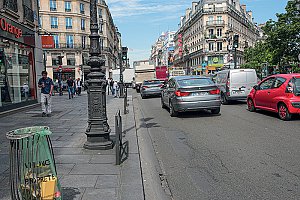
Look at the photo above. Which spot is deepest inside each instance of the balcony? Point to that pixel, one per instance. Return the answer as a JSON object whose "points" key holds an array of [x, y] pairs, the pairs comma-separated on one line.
{"points": [[28, 13], [71, 46], [215, 23], [53, 9], [54, 26], [81, 11], [68, 10], [11, 5], [68, 27]]}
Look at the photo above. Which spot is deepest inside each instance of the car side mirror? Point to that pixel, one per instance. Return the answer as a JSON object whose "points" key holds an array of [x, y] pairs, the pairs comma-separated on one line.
{"points": [[255, 87]]}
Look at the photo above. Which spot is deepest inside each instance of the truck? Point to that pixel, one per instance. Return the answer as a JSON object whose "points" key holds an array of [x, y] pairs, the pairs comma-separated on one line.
{"points": [[128, 76], [161, 72]]}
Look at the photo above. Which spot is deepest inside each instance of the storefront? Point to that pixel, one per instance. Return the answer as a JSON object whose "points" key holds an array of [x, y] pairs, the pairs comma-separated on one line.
{"points": [[17, 70]]}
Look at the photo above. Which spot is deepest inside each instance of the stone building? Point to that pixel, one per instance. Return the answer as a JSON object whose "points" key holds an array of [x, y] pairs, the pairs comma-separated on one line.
{"points": [[21, 54], [68, 21], [203, 42]]}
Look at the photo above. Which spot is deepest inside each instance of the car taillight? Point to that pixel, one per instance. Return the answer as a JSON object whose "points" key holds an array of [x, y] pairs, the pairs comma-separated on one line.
{"points": [[145, 87], [181, 94], [228, 83], [217, 91]]}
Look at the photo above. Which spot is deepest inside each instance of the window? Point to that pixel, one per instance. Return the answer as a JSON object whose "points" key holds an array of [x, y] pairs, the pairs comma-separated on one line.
{"points": [[83, 41], [219, 19], [278, 82], [267, 84], [81, 8], [219, 32], [71, 59], [211, 46], [82, 24], [100, 12], [55, 60], [210, 18], [40, 22], [211, 33], [52, 5], [54, 22], [68, 6], [56, 41], [195, 82], [219, 46], [68, 23], [69, 39]]}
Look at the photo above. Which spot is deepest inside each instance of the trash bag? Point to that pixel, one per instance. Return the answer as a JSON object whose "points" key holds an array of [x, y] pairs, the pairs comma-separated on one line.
{"points": [[33, 172]]}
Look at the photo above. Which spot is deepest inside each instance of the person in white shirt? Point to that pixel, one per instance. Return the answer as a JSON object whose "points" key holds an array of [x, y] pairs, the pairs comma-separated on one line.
{"points": [[115, 88], [78, 86]]}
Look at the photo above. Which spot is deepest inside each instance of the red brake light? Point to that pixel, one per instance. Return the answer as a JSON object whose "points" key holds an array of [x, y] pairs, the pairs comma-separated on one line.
{"points": [[217, 91], [181, 94], [145, 86]]}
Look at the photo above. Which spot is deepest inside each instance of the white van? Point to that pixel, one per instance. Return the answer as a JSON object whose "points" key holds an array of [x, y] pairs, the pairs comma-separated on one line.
{"points": [[235, 84]]}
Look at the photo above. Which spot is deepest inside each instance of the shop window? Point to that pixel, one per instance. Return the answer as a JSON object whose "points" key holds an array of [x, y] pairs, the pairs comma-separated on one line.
{"points": [[55, 59], [17, 78]]}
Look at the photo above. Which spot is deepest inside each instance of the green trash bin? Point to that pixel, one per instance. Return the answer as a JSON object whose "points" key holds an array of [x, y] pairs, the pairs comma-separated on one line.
{"points": [[33, 173]]}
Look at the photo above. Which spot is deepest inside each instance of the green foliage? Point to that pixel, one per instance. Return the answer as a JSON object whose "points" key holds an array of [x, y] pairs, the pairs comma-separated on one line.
{"points": [[282, 45]]}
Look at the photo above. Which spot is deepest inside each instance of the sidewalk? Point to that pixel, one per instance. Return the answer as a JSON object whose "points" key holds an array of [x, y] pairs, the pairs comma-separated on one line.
{"points": [[84, 174]]}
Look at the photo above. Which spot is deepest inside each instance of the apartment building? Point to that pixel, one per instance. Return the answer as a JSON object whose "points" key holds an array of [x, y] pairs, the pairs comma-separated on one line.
{"points": [[203, 42], [20, 54], [68, 21]]}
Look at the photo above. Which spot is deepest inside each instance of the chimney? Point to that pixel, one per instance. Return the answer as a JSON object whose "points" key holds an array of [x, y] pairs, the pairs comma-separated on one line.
{"points": [[194, 5], [187, 13], [250, 14], [244, 8]]}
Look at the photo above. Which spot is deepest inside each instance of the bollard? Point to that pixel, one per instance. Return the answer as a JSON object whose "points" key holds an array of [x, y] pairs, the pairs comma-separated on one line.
{"points": [[32, 166], [122, 149]]}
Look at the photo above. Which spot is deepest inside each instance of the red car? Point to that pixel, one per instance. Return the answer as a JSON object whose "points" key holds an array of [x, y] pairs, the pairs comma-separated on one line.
{"points": [[278, 93]]}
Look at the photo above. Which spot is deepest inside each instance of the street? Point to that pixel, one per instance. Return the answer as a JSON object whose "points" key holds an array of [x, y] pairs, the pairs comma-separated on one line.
{"points": [[235, 155]]}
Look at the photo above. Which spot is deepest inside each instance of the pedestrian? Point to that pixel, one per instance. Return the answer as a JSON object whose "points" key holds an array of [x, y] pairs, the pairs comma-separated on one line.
{"points": [[78, 86], [74, 87], [46, 84], [70, 84], [26, 91], [115, 89], [108, 83], [111, 85]]}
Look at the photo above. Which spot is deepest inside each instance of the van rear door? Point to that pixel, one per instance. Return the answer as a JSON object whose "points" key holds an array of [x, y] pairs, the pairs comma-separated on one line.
{"points": [[241, 82]]}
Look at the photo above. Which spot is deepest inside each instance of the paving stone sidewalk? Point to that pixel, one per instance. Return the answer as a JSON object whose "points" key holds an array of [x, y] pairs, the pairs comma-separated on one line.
{"points": [[84, 174]]}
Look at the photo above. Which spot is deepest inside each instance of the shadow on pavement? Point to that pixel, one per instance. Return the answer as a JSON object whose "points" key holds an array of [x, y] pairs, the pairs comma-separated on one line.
{"points": [[275, 115], [70, 193], [197, 114]]}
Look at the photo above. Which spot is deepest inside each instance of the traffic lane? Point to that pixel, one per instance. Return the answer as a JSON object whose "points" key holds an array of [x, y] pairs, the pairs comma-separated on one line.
{"points": [[239, 149]]}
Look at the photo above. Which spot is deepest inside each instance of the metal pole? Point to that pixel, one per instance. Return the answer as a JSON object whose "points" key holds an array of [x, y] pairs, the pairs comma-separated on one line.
{"points": [[121, 78], [235, 58], [98, 130]]}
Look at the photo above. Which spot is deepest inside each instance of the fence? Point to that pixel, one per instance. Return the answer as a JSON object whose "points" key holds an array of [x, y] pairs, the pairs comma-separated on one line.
{"points": [[122, 149]]}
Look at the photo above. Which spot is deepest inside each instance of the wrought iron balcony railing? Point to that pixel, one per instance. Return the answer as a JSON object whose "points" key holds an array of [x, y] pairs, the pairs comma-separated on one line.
{"points": [[53, 8], [28, 13], [68, 27], [11, 5], [215, 22]]}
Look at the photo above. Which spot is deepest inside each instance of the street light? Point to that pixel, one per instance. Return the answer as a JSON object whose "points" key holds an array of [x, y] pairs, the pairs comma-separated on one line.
{"points": [[229, 34], [98, 130]]}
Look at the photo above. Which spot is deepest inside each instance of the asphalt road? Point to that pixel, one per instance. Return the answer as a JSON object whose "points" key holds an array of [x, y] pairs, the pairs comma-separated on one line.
{"points": [[236, 155]]}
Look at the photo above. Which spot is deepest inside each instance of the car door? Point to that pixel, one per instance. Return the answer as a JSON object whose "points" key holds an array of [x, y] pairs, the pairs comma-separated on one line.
{"points": [[170, 90], [262, 94], [276, 92]]}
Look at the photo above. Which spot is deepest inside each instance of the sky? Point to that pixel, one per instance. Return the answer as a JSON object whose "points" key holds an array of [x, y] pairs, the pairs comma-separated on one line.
{"points": [[142, 21]]}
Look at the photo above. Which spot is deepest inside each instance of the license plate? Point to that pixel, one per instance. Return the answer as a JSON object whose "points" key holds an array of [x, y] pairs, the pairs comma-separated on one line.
{"points": [[200, 94], [238, 92]]}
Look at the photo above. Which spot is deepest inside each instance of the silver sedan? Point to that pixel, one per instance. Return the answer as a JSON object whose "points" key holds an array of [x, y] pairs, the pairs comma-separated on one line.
{"points": [[150, 88], [190, 93]]}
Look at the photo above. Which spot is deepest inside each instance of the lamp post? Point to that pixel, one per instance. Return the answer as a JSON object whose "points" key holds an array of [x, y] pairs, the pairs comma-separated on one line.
{"points": [[228, 35], [98, 130]]}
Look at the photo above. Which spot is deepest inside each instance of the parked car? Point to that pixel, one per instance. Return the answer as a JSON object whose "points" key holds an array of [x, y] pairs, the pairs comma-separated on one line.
{"points": [[190, 93], [278, 93], [150, 88], [235, 84]]}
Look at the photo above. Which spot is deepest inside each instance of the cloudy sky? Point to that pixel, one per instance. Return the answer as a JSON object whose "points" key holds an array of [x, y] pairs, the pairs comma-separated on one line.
{"points": [[142, 21]]}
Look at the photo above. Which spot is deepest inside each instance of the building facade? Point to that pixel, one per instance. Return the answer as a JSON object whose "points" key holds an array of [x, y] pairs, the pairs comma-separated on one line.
{"points": [[203, 42], [20, 54], [68, 21]]}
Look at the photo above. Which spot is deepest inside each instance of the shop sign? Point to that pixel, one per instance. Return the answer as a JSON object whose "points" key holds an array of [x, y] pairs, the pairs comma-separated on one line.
{"points": [[16, 32], [47, 42], [65, 69], [215, 59]]}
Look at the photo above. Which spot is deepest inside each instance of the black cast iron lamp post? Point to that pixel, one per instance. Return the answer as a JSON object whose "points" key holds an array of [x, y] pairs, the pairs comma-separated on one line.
{"points": [[98, 130]]}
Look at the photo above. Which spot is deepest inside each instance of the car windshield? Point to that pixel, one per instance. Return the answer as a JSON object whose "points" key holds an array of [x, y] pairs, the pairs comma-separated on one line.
{"points": [[297, 86], [152, 82], [195, 82]]}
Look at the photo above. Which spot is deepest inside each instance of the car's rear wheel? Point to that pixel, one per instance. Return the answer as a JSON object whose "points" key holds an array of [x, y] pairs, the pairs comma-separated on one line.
{"points": [[284, 113], [163, 105], [250, 105], [173, 113], [215, 111], [143, 96], [224, 99]]}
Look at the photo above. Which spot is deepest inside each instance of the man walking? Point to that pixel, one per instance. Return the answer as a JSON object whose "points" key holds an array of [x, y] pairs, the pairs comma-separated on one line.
{"points": [[78, 86], [46, 84], [71, 85], [111, 85]]}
